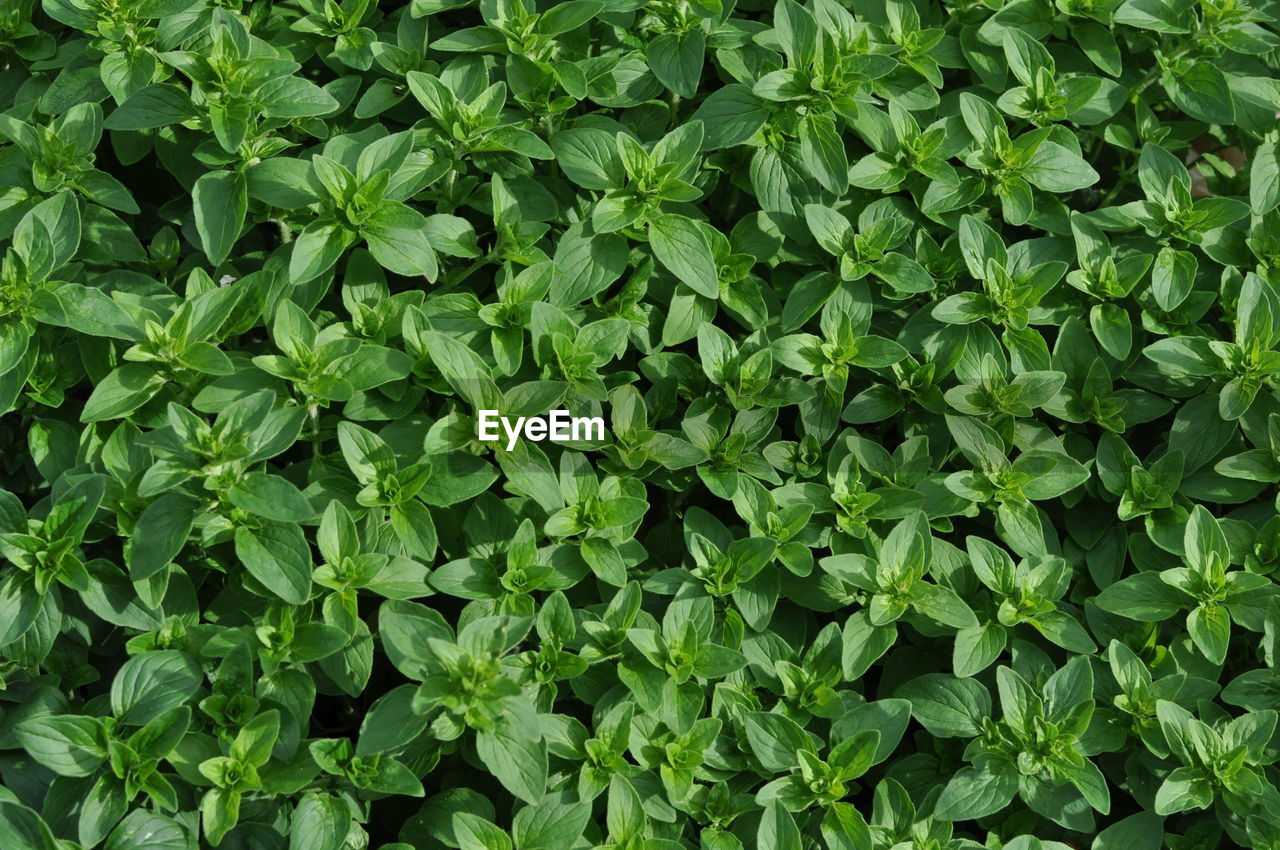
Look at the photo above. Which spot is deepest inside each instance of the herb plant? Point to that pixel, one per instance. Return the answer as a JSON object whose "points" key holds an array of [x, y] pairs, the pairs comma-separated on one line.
{"points": [[938, 348]]}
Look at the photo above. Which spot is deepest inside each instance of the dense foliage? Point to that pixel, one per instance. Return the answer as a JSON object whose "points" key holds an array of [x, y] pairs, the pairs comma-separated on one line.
{"points": [[937, 343]]}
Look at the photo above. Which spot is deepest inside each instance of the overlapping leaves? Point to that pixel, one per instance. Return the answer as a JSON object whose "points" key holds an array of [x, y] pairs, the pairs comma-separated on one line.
{"points": [[938, 347]]}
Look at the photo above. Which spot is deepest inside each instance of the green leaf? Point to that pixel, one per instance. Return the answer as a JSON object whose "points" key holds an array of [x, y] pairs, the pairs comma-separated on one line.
{"points": [[681, 246], [1172, 277], [475, 833], [320, 822], [317, 249], [49, 234], [1157, 15], [415, 529], [153, 831], [945, 706], [1054, 168], [68, 745], [730, 116], [975, 792], [22, 829], [977, 647], [550, 825], [160, 533], [1142, 597], [1141, 831], [271, 497], [20, 605], [276, 554], [516, 755], [152, 683], [1210, 630], [156, 105], [221, 200], [775, 740], [676, 60], [778, 829], [823, 153], [1201, 91], [121, 392], [390, 722], [589, 157], [1264, 179], [397, 238]]}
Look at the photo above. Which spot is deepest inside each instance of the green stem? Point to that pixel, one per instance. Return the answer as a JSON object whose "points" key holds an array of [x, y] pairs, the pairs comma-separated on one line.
{"points": [[313, 416], [458, 275], [1113, 191], [1187, 47]]}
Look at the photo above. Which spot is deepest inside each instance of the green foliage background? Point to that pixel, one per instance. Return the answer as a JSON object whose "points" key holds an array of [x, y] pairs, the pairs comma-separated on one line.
{"points": [[937, 342]]}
